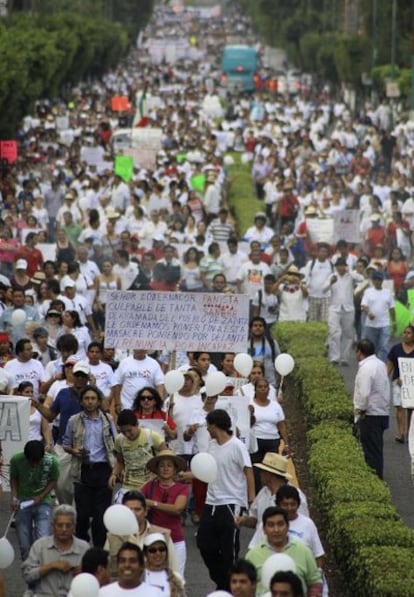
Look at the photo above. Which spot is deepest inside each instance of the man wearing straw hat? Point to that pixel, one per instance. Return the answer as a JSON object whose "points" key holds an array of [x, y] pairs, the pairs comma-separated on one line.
{"points": [[273, 475]]}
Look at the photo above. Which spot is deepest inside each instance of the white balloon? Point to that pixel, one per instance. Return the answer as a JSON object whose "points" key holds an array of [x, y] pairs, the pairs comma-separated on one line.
{"points": [[120, 520], [215, 383], [245, 158], [243, 363], [18, 317], [204, 467], [219, 594], [284, 363], [85, 585], [228, 160], [6, 553], [276, 562], [174, 381]]}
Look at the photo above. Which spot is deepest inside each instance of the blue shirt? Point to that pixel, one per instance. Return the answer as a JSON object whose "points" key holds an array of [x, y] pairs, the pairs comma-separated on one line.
{"points": [[93, 443], [65, 404]]}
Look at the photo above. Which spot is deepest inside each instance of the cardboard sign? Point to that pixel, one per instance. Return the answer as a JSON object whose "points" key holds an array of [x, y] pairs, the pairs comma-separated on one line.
{"points": [[14, 429], [177, 321], [406, 367], [346, 225]]}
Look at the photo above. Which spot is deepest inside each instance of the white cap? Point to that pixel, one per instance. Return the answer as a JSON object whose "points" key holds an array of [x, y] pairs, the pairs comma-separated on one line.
{"points": [[81, 367], [153, 538], [21, 264]]}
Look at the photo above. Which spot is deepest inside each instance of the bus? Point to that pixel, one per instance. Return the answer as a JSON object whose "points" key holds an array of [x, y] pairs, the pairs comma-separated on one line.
{"points": [[238, 68]]}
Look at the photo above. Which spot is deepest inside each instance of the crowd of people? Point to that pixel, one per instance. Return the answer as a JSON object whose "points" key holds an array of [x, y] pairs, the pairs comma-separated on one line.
{"points": [[72, 230]]}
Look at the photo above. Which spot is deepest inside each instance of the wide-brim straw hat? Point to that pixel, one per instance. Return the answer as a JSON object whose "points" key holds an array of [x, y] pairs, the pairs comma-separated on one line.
{"points": [[274, 463], [180, 463], [292, 270]]}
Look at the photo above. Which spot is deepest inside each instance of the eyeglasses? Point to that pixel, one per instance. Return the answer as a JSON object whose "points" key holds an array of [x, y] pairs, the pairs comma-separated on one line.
{"points": [[147, 397], [160, 549]]}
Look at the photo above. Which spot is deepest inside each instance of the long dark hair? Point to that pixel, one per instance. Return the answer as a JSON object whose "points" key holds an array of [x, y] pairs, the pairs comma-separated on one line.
{"points": [[148, 389]]}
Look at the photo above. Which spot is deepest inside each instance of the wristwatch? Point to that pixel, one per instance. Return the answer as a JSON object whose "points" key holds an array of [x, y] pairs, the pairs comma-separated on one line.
{"points": [[155, 504]]}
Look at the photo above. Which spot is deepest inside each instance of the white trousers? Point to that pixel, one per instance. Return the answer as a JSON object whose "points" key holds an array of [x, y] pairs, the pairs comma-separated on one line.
{"points": [[341, 334]]}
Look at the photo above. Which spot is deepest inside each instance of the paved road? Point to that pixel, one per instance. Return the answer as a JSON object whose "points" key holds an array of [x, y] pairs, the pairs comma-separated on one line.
{"points": [[397, 469]]}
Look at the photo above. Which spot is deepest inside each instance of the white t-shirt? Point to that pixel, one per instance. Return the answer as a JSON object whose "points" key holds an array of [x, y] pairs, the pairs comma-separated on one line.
{"points": [[159, 580], [144, 590], [201, 439], [32, 371], [103, 374], [379, 303], [248, 390], [184, 406], [134, 374], [251, 276], [35, 426], [304, 528], [266, 419], [230, 486], [316, 277]]}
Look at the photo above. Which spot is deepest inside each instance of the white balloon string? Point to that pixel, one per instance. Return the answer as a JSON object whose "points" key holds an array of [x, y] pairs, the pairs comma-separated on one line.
{"points": [[9, 524]]}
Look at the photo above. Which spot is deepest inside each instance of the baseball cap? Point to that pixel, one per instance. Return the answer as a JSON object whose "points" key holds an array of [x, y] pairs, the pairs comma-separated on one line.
{"points": [[21, 264], [378, 276], [81, 367]]}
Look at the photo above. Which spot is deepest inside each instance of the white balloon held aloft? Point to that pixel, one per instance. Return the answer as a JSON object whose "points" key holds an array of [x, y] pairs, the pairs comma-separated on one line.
{"points": [[18, 317], [6, 553], [174, 381], [85, 585], [215, 383], [120, 520], [276, 562], [204, 467], [284, 364], [243, 363]]}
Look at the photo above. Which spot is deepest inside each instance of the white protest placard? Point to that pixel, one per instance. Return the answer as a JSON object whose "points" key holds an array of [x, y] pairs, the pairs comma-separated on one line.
{"points": [[406, 367], [93, 156], [346, 225], [62, 123], [14, 429], [143, 158], [147, 138], [177, 321], [48, 251], [153, 424], [238, 382], [321, 230], [237, 407]]}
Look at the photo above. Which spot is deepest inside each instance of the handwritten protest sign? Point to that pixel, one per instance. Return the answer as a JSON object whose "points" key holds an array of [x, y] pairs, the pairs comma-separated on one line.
{"points": [[346, 225], [143, 158], [177, 321], [321, 230], [14, 428], [124, 166], [147, 138], [406, 367], [8, 151], [198, 182]]}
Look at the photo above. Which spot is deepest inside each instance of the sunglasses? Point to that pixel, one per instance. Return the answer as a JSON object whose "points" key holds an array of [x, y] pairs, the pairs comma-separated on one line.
{"points": [[160, 549], [146, 397]]}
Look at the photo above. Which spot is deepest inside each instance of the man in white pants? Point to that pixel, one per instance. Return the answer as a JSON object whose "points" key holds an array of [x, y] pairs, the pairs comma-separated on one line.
{"points": [[341, 312]]}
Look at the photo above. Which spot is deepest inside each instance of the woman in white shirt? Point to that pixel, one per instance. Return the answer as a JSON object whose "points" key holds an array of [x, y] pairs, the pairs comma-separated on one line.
{"points": [[157, 573], [268, 424], [38, 426]]}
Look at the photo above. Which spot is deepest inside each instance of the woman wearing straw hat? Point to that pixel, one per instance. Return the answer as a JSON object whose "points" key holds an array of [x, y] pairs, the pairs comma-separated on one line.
{"points": [[168, 499]]}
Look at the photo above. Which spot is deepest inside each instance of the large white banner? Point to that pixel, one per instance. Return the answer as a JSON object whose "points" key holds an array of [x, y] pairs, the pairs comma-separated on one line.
{"points": [[14, 429], [321, 230], [177, 321], [406, 367]]}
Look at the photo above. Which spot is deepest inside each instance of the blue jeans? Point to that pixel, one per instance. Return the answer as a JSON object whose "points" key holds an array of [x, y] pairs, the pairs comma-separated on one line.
{"points": [[32, 524], [380, 338]]}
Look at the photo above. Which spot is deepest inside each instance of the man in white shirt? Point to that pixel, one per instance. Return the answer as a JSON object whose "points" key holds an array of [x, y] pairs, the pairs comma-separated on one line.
{"points": [[125, 269], [231, 491], [259, 231], [102, 372], [378, 305], [88, 268], [135, 372], [25, 368], [250, 278], [371, 404], [130, 568], [232, 261], [77, 302], [317, 272], [341, 316]]}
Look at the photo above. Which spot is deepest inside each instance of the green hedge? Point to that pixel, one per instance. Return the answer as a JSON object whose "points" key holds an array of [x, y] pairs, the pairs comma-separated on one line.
{"points": [[373, 547], [361, 524]]}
